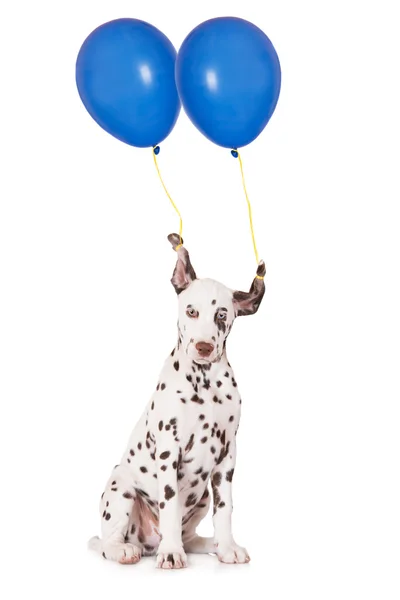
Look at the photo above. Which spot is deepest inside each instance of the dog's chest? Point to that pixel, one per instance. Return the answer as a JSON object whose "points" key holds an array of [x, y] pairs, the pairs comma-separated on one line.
{"points": [[208, 429]]}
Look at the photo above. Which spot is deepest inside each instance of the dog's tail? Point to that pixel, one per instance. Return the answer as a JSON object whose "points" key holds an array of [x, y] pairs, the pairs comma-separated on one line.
{"points": [[95, 544]]}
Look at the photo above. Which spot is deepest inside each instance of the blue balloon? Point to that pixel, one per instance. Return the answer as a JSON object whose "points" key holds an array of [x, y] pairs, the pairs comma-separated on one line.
{"points": [[125, 78], [228, 78]]}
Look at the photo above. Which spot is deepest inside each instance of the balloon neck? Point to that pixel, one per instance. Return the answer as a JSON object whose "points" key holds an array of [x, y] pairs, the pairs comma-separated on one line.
{"points": [[234, 153], [156, 150]]}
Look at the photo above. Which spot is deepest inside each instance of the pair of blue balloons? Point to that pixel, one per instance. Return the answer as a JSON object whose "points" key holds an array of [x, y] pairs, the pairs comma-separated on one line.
{"points": [[132, 82]]}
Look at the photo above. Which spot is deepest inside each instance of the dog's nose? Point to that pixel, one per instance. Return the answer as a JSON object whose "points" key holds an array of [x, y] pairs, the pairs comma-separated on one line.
{"points": [[204, 348]]}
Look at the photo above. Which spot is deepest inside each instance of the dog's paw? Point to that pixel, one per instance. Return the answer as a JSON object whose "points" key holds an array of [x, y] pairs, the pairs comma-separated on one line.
{"points": [[125, 554], [232, 554], [174, 559]]}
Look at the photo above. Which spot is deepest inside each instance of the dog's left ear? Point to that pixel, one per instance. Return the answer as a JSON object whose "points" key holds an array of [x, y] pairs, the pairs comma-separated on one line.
{"points": [[184, 273], [247, 303]]}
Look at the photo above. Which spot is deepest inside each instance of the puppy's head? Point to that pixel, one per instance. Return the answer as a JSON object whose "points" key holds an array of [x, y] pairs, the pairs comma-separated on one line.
{"points": [[207, 308]]}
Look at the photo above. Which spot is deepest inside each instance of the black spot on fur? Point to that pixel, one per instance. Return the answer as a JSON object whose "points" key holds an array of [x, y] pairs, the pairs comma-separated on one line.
{"points": [[163, 467], [163, 386], [189, 377], [183, 400], [176, 365], [132, 452], [213, 450], [107, 517], [168, 427], [165, 455], [143, 469], [229, 396], [202, 417], [214, 302], [229, 474], [217, 478], [128, 495], [206, 426], [169, 492], [204, 475], [203, 440], [195, 398], [219, 383], [139, 445], [190, 443], [191, 500]]}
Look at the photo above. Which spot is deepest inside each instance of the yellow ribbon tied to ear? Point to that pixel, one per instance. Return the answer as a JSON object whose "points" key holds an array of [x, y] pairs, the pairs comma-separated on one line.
{"points": [[235, 153], [156, 151]]}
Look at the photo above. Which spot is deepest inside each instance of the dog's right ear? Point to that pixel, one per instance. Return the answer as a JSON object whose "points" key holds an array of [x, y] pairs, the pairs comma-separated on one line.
{"points": [[184, 273]]}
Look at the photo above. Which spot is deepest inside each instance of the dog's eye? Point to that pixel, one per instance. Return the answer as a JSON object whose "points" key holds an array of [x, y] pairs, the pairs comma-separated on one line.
{"points": [[192, 313], [221, 316]]}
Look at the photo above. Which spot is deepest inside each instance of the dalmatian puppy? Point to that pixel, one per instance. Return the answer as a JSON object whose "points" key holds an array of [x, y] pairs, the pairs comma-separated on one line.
{"points": [[158, 494]]}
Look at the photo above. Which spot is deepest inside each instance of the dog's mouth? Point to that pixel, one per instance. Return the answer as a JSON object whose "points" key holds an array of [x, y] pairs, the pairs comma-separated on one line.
{"points": [[204, 361]]}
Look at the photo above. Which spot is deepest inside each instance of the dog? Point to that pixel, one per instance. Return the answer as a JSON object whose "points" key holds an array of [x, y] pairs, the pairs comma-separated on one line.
{"points": [[158, 494]]}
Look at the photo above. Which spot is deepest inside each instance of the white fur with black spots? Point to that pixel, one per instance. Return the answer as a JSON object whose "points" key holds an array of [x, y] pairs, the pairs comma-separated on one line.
{"points": [[186, 437]]}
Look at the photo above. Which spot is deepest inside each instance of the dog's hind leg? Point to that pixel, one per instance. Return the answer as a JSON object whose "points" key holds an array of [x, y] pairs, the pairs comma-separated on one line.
{"points": [[193, 543], [116, 508]]}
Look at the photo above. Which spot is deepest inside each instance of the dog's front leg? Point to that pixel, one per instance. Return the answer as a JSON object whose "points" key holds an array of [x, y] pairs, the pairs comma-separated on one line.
{"points": [[170, 553], [227, 549]]}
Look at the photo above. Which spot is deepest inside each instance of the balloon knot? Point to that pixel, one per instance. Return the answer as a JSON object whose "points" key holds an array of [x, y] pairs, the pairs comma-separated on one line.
{"points": [[156, 150], [234, 153]]}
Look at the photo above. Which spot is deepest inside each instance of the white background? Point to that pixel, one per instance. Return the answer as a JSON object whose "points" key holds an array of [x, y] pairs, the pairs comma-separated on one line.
{"points": [[88, 313]]}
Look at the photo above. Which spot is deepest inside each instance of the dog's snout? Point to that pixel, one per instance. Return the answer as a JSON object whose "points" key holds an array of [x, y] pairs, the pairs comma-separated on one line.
{"points": [[204, 348]]}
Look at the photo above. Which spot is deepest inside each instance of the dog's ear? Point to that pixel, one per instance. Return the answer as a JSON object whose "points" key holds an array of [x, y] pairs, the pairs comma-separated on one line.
{"points": [[247, 303], [184, 273]]}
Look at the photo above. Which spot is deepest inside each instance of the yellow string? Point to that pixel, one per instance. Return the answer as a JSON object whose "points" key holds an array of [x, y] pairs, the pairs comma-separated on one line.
{"points": [[170, 199], [249, 209]]}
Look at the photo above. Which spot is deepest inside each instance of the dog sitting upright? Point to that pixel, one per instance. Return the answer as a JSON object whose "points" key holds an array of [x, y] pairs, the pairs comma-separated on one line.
{"points": [[158, 494]]}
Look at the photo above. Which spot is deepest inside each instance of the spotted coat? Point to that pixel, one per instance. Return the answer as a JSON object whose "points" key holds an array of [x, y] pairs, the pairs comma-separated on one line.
{"points": [[185, 439]]}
